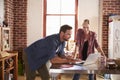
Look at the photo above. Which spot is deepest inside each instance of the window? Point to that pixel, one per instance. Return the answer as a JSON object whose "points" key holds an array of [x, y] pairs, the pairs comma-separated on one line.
{"points": [[58, 13]]}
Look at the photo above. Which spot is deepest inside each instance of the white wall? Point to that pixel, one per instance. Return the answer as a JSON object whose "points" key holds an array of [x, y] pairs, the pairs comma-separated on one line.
{"points": [[1, 11], [34, 20], [88, 9]]}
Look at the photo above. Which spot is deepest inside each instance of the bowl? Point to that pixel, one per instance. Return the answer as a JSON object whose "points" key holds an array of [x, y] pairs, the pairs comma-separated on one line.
{"points": [[111, 65], [117, 61]]}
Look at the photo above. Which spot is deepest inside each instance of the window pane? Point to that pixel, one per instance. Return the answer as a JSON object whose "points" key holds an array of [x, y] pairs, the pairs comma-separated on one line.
{"points": [[70, 20], [54, 23], [53, 6], [60, 6], [68, 7]]}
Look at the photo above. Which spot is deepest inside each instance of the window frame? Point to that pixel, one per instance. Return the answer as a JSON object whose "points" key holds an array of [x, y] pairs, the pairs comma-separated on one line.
{"points": [[45, 16]]}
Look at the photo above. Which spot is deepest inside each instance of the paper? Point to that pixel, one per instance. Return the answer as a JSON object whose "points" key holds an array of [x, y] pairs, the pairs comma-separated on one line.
{"points": [[75, 67], [79, 62]]}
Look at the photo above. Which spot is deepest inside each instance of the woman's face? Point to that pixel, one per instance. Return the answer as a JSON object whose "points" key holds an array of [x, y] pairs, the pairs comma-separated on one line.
{"points": [[86, 28]]}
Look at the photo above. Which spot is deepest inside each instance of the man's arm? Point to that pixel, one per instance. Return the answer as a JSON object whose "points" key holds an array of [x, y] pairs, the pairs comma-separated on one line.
{"points": [[58, 59]]}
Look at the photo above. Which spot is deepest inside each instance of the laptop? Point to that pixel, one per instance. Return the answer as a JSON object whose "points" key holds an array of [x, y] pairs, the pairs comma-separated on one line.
{"points": [[92, 59]]}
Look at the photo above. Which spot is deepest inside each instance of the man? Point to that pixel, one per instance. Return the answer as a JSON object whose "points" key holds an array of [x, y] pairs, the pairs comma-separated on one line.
{"points": [[40, 52]]}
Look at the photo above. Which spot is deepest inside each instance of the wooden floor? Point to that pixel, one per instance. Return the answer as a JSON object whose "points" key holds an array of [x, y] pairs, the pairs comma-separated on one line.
{"points": [[64, 77]]}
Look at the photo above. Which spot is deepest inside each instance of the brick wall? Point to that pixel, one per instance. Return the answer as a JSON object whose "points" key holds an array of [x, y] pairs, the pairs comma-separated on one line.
{"points": [[16, 16], [20, 25], [109, 7]]}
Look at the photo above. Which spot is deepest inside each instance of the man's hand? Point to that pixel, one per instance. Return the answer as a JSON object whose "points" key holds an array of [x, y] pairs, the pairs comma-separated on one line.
{"points": [[60, 60], [71, 60]]}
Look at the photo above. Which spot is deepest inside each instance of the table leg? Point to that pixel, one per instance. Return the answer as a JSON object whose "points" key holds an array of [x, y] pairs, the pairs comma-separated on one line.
{"points": [[94, 76], [54, 76]]}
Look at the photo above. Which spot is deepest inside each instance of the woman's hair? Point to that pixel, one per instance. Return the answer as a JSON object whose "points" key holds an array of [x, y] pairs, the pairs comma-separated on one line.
{"points": [[86, 21]]}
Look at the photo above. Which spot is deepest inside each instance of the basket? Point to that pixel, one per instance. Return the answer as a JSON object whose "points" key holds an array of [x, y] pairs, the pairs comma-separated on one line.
{"points": [[9, 63]]}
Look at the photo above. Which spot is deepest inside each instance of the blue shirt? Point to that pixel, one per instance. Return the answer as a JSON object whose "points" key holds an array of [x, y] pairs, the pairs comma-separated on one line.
{"points": [[43, 50]]}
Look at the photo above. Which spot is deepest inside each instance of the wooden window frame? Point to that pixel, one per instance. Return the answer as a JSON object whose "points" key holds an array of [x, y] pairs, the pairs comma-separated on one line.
{"points": [[44, 17]]}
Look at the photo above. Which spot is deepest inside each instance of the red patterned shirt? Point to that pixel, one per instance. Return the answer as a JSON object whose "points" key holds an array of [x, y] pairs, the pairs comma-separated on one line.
{"points": [[92, 42]]}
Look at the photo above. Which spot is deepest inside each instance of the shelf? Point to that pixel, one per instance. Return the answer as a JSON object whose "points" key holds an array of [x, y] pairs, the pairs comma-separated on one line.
{"points": [[14, 67], [8, 69]]}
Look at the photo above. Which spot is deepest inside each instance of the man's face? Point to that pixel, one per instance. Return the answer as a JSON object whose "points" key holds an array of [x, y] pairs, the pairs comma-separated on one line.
{"points": [[67, 35]]}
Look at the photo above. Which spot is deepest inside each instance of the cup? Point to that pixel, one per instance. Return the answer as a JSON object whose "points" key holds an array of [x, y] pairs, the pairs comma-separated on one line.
{"points": [[111, 64]]}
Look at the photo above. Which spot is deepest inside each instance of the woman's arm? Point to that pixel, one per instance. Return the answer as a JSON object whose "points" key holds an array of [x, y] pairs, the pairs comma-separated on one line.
{"points": [[101, 51], [76, 52]]}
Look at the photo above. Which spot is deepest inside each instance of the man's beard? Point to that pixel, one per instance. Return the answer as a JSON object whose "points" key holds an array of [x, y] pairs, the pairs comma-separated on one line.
{"points": [[65, 39]]}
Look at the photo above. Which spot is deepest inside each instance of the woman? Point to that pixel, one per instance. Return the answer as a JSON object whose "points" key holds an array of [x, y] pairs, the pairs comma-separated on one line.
{"points": [[85, 44]]}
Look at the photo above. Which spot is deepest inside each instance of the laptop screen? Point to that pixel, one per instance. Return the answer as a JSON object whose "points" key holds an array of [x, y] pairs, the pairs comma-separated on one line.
{"points": [[92, 59]]}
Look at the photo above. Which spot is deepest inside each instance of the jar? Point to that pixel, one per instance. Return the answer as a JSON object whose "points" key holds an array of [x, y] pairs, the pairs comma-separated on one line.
{"points": [[101, 62]]}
